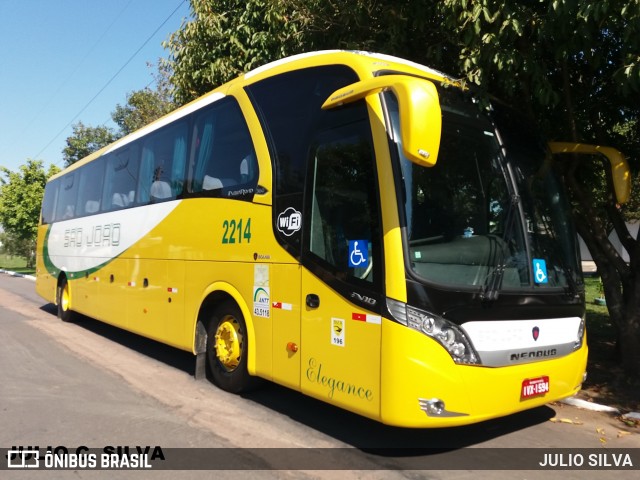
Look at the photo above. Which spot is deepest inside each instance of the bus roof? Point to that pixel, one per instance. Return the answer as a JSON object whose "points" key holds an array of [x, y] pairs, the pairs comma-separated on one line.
{"points": [[365, 64]]}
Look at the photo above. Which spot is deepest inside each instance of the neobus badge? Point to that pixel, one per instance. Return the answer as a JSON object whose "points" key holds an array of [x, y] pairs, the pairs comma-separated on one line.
{"points": [[289, 221]]}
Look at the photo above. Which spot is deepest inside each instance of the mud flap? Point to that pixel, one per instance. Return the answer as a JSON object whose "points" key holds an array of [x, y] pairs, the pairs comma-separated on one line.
{"points": [[201, 352]]}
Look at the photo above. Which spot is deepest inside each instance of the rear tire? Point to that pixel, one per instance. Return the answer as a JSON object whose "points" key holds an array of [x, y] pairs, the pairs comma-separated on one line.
{"points": [[227, 347], [63, 300]]}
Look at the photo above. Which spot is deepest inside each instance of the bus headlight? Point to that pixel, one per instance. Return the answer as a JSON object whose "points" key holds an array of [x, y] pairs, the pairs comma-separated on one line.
{"points": [[446, 333], [581, 328]]}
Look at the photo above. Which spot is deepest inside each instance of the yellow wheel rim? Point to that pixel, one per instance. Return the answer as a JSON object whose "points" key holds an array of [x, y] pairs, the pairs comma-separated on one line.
{"points": [[228, 343], [65, 298]]}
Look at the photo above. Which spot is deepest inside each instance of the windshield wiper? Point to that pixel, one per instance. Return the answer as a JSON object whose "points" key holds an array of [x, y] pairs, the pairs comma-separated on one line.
{"points": [[493, 282]]}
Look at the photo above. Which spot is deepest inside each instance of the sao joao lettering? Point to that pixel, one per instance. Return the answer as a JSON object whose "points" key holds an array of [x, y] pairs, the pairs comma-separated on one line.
{"points": [[106, 235]]}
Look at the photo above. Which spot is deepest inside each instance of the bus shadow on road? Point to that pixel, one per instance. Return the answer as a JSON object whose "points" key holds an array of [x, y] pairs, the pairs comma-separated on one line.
{"points": [[166, 354], [352, 429], [376, 438]]}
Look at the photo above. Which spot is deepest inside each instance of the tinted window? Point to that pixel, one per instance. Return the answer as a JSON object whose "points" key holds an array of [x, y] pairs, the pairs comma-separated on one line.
{"points": [[90, 188], [121, 179], [162, 164], [49, 201], [223, 160], [67, 193], [344, 223]]}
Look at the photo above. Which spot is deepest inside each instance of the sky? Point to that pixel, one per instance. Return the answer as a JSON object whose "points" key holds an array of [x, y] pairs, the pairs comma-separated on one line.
{"points": [[58, 60]]}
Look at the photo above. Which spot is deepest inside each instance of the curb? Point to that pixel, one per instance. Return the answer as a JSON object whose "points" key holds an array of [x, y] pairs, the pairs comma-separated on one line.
{"points": [[15, 274], [594, 407]]}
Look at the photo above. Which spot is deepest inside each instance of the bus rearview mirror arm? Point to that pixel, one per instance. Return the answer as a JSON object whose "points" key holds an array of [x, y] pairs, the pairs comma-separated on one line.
{"points": [[619, 166]]}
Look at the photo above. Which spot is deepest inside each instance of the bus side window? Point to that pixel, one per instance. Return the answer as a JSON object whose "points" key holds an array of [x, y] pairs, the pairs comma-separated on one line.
{"points": [[90, 187], [120, 180], [162, 165], [223, 159], [66, 207], [49, 201]]}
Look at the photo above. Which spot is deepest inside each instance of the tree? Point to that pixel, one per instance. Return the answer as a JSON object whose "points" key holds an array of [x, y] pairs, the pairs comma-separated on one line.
{"points": [[84, 141], [20, 199], [11, 245], [146, 105], [226, 38], [143, 107]]}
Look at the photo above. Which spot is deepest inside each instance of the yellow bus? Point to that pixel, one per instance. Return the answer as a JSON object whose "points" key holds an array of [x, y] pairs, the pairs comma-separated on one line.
{"points": [[353, 226]]}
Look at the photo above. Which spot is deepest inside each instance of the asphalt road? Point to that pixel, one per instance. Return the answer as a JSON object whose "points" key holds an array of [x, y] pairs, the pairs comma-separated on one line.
{"points": [[89, 384]]}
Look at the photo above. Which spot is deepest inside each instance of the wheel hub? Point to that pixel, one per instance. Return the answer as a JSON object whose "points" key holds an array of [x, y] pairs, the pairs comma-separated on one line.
{"points": [[65, 297], [228, 343]]}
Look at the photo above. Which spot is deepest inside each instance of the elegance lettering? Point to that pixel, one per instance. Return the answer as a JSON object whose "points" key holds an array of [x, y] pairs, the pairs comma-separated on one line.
{"points": [[315, 375]]}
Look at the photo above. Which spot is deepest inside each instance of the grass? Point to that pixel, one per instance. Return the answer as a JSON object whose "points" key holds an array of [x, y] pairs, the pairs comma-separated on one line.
{"points": [[15, 264], [598, 323]]}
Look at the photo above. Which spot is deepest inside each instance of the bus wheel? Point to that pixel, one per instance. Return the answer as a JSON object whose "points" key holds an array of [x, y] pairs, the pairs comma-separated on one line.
{"points": [[227, 349], [64, 301]]}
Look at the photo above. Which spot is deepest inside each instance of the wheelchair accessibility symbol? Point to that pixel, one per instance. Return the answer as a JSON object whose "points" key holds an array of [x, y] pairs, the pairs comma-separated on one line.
{"points": [[358, 253], [540, 271]]}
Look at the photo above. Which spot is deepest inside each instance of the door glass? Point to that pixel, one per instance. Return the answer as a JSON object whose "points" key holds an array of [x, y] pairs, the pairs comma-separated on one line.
{"points": [[344, 222]]}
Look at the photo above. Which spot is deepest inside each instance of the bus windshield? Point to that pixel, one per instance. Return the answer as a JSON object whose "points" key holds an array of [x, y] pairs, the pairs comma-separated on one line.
{"points": [[490, 215]]}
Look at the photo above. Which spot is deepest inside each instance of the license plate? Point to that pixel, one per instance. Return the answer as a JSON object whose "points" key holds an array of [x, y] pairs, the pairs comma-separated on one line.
{"points": [[534, 387]]}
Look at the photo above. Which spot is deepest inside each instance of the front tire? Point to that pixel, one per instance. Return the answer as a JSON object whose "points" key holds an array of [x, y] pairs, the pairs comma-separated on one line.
{"points": [[227, 343]]}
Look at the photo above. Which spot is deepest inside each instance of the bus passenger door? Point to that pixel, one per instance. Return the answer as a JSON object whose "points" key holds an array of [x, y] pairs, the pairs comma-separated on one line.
{"points": [[342, 270]]}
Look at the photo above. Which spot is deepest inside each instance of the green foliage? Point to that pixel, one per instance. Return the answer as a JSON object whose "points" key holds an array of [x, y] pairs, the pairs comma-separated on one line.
{"points": [[20, 199], [225, 38], [84, 141], [143, 107], [23, 250], [575, 66], [146, 105]]}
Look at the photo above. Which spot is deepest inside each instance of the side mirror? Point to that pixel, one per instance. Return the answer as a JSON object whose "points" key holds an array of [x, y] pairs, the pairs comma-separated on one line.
{"points": [[420, 115], [619, 166]]}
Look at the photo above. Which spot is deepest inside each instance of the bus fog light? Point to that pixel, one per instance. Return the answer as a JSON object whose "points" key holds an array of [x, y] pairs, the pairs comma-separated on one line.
{"points": [[434, 407]]}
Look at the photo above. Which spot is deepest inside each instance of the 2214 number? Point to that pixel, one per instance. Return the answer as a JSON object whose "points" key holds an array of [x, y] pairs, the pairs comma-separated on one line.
{"points": [[236, 231]]}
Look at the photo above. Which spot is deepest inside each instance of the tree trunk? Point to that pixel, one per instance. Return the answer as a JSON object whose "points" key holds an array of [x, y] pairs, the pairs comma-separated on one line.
{"points": [[621, 281], [630, 331]]}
